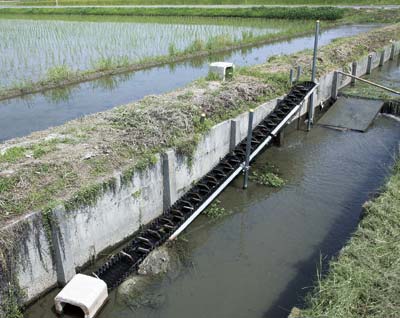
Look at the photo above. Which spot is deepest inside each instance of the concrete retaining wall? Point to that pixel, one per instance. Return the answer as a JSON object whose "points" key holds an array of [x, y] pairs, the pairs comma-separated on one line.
{"points": [[78, 237]]}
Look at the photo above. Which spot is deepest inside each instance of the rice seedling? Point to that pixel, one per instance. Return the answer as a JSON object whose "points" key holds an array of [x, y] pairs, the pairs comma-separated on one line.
{"points": [[52, 50]]}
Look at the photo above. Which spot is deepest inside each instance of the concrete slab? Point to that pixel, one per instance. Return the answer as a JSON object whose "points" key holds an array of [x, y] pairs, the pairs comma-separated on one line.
{"points": [[85, 292], [351, 113]]}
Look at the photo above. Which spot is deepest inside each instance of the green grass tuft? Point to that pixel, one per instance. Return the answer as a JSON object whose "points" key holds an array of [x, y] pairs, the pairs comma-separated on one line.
{"points": [[13, 154], [215, 211], [268, 176]]}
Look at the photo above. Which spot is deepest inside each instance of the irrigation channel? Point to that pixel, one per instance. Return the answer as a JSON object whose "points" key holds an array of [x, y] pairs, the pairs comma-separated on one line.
{"points": [[259, 259], [21, 116]]}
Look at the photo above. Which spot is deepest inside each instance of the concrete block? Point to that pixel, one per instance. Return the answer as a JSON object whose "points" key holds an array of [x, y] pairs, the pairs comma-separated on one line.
{"points": [[235, 134], [222, 69], [32, 263], [291, 76], [64, 262], [353, 72], [169, 182], [392, 51], [85, 292], [335, 85], [369, 65], [382, 58], [298, 75]]}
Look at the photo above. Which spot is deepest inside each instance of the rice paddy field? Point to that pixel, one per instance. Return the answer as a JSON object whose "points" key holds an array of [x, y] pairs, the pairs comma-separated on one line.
{"points": [[32, 50]]}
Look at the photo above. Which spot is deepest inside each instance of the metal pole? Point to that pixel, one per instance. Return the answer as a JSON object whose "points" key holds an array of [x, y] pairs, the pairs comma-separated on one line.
{"points": [[369, 82], [313, 74], [203, 118], [314, 65], [369, 65], [248, 150]]}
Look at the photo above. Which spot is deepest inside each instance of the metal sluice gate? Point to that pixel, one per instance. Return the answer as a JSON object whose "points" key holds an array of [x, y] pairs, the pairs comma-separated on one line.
{"points": [[174, 220]]}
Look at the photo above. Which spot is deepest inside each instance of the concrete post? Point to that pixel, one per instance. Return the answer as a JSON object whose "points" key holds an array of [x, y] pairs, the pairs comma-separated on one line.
{"points": [[235, 134], [291, 77], [382, 59], [298, 75], [392, 51], [353, 72], [335, 85], [169, 182], [248, 149], [63, 257], [369, 65]]}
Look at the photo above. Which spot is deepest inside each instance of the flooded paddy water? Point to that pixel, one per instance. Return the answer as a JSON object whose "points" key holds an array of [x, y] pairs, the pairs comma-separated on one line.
{"points": [[23, 115], [260, 259], [32, 49]]}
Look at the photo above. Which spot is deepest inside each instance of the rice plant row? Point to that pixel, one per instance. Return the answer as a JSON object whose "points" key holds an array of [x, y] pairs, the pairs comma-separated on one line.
{"points": [[32, 50]]}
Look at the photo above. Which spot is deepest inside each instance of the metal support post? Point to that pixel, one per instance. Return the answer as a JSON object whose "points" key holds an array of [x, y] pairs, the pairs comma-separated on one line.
{"points": [[248, 150], [313, 74]]}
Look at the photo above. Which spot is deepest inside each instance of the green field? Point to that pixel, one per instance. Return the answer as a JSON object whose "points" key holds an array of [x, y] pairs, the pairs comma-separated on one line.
{"points": [[213, 2], [299, 13]]}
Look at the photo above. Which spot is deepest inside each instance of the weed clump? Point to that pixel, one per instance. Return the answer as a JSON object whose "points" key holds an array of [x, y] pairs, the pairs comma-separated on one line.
{"points": [[215, 211], [268, 176]]}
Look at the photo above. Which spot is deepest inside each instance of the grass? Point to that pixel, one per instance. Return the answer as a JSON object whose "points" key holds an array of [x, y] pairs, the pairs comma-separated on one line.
{"points": [[268, 179], [364, 90], [129, 137], [58, 73], [12, 154], [211, 2], [215, 211], [364, 280], [11, 307], [290, 13]]}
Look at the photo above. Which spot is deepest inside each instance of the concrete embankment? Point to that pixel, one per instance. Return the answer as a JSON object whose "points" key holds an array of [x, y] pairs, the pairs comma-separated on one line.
{"points": [[43, 249]]}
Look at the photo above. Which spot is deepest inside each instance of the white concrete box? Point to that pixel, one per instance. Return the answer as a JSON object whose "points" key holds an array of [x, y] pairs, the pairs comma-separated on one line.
{"points": [[85, 292], [222, 69]]}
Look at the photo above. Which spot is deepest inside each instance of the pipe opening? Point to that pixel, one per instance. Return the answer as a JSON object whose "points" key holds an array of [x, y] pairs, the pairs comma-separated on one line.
{"points": [[72, 311]]}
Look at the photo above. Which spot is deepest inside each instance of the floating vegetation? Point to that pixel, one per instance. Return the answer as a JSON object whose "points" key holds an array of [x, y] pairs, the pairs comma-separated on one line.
{"points": [[268, 176], [215, 211]]}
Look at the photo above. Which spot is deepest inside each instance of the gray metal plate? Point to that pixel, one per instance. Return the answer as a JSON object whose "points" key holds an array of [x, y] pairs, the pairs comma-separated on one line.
{"points": [[351, 113]]}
